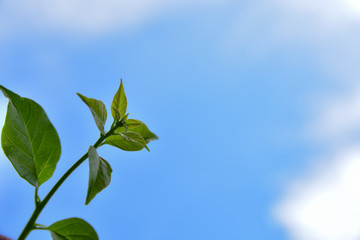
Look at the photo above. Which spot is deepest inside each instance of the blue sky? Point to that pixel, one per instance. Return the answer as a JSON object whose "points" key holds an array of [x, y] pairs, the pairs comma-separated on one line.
{"points": [[255, 103]]}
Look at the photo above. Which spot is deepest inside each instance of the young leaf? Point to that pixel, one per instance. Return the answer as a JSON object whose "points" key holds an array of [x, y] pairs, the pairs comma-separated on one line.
{"points": [[29, 140], [98, 110], [128, 141], [72, 229], [124, 118], [141, 129], [132, 123], [99, 174], [119, 103]]}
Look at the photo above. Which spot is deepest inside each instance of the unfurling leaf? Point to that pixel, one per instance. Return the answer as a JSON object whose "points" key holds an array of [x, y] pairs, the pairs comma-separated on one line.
{"points": [[98, 110], [29, 140], [124, 118], [128, 141], [99, 174], [72, 229], [141, 129], [119, 104]]}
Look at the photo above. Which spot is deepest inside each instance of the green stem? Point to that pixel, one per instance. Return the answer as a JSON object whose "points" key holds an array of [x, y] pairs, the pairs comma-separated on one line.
{"points": [[36, 196], [39, 227], [40, 206]]}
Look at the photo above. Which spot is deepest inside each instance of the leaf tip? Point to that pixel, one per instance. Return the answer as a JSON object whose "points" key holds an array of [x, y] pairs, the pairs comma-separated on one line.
{"points": [[4, 90], [80, 95]]}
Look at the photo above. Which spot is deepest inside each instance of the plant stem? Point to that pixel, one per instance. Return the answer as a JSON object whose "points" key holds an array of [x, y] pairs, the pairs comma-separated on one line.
{"points": [[40, 206], [36, 196]]}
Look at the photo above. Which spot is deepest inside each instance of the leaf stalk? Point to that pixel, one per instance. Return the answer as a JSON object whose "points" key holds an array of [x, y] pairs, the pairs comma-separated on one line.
{"points": [[40, 205]]}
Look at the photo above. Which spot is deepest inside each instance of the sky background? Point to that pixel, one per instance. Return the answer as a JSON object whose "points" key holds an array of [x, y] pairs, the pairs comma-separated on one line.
{"points": [[256, 104]]}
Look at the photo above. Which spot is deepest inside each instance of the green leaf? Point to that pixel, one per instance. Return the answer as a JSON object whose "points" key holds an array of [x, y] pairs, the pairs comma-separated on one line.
{"points": [[99, 175], [72, 229], [141, 129], [124, 117], [128, 141], [119, 103], [132, 123], [98, 110], [29, 140]]}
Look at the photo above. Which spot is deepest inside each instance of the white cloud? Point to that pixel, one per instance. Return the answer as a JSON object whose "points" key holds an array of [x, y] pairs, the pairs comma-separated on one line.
{"points": [[321, 204], [82, 16], [325, 205]]}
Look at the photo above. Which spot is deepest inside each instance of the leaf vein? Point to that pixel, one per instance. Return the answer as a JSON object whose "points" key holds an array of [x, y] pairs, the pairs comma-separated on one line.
{"points": [[22, 152]]}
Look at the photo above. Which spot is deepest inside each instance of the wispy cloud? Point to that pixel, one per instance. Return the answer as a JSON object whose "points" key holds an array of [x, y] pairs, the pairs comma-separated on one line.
{"points": [[82, 17], [323, 203], [327, 30], [337, 119]]}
